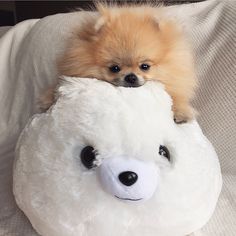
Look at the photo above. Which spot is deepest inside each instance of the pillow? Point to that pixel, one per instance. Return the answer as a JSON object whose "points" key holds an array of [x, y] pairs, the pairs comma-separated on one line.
{"points": [[119, 166]]}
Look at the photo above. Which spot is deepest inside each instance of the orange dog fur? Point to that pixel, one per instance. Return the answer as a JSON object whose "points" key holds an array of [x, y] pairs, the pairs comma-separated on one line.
{"points": [[138, 41]]}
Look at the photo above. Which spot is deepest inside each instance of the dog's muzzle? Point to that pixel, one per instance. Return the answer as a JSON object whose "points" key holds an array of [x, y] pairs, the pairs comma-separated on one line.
{"points": [[130, 80]]}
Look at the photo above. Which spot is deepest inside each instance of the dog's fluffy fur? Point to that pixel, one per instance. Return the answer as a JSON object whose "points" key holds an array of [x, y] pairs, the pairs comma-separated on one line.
{"points": [[129, 37]]}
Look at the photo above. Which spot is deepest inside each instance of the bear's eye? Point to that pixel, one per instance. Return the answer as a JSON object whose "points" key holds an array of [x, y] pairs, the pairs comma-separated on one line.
{"points": [[163, 151], [114, 68], [88, 156]]}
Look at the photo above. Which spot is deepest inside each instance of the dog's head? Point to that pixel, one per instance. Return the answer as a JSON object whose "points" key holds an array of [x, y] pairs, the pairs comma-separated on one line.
{"points": [[128, 46]]}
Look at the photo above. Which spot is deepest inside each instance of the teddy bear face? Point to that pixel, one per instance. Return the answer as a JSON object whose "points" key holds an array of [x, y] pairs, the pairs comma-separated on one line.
{"points": [[107, 159], [122, 146], [128, 179]]}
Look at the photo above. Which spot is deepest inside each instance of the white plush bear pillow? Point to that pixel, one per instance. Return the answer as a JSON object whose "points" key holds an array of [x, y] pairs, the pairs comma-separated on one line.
{"points": [[108, 160]]}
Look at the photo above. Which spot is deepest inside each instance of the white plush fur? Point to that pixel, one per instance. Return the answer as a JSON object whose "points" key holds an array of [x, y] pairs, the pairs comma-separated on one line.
{"points": [[126, 126]]}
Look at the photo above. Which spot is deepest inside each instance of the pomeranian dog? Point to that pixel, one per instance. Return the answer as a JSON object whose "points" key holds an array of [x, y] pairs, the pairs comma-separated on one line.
{"points": [[129, 45]]}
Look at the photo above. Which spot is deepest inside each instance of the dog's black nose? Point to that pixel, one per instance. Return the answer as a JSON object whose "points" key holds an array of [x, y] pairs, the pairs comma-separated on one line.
{"points": [[131, 79], [128, 178]]}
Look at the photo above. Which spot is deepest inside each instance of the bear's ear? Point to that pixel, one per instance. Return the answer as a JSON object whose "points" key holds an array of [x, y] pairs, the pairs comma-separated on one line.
{"points": [[104, 16]]}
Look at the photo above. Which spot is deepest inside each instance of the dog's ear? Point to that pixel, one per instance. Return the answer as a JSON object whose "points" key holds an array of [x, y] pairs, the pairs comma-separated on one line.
{"points": [[104, 16], [90, 29], [164, 21], [156, 22]]}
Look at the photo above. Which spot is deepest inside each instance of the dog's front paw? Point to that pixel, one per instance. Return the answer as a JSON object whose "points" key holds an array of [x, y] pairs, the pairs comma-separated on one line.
{"points": [[46, 100], [183, 115]]}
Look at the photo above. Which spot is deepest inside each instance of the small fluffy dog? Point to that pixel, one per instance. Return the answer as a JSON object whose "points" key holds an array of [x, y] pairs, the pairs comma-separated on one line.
{"points": [[129, 45]]}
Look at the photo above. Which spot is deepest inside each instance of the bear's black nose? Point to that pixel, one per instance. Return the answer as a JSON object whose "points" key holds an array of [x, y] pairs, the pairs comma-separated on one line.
{"points": [[131, 80], [128, 178]]}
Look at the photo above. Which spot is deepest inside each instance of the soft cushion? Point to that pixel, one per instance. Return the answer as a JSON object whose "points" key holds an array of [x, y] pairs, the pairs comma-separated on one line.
{"points": [[111, 159]]}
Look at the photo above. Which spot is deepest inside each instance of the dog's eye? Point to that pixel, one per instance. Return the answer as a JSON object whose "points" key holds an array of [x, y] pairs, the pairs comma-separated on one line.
{"points": [[114, 69], [144, 67], [163, 151], [88, 156]]}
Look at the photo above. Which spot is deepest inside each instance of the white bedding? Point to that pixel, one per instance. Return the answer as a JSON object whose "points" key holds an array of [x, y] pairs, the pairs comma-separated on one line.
{"points": [[28, 55], [3, 30]]}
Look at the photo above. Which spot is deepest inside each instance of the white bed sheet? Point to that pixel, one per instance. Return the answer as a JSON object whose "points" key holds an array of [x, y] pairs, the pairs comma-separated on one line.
{"points": [[28, 55]]}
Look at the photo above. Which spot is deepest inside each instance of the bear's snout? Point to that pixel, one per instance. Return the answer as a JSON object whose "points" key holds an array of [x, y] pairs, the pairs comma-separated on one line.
{"points": [[128, 178]]}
